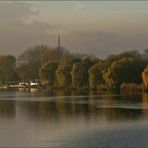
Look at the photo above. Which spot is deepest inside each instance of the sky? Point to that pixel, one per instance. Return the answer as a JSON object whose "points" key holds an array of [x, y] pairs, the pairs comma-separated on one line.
{"points": [[93, 27]]}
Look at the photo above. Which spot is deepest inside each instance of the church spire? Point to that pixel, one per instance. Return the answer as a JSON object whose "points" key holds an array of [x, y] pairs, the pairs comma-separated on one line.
{"points": [[59, 47], [59, 42]]}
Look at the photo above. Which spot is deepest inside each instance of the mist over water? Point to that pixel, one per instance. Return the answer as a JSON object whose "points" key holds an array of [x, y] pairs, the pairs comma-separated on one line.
{"points": [[73, 119]]}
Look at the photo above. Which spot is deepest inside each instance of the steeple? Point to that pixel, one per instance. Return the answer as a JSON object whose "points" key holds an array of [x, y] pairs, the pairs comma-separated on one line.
{"points": [[59, 43], [59, 47]]}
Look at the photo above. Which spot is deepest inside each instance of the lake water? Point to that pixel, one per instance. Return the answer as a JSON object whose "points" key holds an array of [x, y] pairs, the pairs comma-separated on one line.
{"points": [[61, 119]]}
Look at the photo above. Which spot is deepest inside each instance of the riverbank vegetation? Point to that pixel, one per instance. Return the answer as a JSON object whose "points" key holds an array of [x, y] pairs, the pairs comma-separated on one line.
{"points": [[58, 68]]}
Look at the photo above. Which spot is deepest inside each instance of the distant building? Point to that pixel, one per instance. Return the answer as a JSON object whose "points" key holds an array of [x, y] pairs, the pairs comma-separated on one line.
{"points": [[59, 42], [59, 47]]}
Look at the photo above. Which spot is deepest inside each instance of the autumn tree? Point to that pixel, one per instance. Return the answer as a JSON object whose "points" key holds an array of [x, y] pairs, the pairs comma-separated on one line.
{"points": [[125, 70], [63, 72], [47, 72], [31, 60], [79, 72], [96, 75], [7, 68], [145, 77]]}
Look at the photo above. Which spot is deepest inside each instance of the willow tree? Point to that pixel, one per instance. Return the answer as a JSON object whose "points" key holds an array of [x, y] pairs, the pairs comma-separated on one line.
{"points": [[47, 72], [7, 68], [96, 75], [63, 71], [79, 72], [125, 70], [145, 77]]}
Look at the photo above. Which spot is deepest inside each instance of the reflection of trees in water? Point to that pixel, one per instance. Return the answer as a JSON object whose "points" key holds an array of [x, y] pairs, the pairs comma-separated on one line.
{"points": [[145, 104], [117, 108], [145, 97], [121, 114], [7, 109], [62, 108], [38, 109]]}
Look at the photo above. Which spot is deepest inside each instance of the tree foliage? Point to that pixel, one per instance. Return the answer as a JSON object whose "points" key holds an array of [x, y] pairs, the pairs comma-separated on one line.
{"points": [[63, 75], [47, 72], [79, 72], [7, 68], [145, 77], [58, 66], [95, 74], [35, 57], [125, 70]]}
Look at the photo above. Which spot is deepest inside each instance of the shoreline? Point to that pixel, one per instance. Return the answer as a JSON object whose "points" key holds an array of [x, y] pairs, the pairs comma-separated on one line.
{"points": [[29, 88]]}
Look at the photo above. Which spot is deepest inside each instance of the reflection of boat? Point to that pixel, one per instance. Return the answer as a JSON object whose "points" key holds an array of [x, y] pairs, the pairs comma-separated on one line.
{"points": [[23, 88], [34, 90]]}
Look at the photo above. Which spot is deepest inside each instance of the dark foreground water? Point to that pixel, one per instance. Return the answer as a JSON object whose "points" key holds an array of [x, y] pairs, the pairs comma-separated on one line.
{"points": [[73, 119]]}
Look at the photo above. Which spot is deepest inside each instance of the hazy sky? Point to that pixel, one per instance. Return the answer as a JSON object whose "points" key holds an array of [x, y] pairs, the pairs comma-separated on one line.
{"points": [[96, 27]]}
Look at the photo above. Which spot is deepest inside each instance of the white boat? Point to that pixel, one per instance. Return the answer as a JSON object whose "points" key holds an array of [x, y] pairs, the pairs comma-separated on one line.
{"points": [[23, 85]]}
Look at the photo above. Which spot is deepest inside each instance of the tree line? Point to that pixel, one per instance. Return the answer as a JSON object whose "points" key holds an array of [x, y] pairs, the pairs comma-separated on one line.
{"points": [[58, 68]]}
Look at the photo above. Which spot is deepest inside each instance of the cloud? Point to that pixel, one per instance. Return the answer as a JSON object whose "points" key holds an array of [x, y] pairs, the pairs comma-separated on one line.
{"points": [[29, 19], [16, 34], [79, 7], [14, 11], [103, 43], [21, 37], [20, 28]]}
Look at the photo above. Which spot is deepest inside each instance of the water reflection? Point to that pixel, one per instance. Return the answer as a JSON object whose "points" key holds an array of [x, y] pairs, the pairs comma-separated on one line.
{"points": [[91, 107], [39, 119], [87, 104], [7, 109]]}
